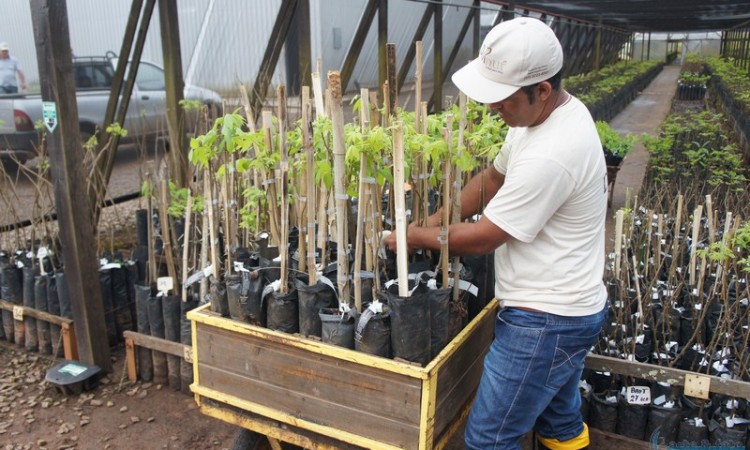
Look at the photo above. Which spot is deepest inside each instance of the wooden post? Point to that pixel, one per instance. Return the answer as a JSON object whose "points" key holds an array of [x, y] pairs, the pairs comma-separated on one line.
{"points": [[174, 85], [74, 212]]}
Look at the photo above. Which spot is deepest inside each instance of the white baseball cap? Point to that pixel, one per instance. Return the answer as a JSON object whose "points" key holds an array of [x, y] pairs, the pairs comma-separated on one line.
{"points": [[4, 46], [516, 53]]}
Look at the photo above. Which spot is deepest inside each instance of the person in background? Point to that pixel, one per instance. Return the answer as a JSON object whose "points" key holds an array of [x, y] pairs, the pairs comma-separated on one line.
{"points": [[10, 68], [543, 204]]}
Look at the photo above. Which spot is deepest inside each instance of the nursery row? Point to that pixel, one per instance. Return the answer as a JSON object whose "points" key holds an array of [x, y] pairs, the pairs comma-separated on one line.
{"points": [[608, 91], [678, 288]]}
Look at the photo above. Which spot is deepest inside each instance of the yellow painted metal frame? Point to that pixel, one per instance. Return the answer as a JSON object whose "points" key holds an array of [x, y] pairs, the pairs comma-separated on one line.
{"points": [[427, 374]]}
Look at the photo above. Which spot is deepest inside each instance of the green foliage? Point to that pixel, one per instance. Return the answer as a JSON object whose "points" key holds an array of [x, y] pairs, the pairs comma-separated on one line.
{"points": [[178, 201], [693, 79], [189, 105], [597, 86], [613, 142]]}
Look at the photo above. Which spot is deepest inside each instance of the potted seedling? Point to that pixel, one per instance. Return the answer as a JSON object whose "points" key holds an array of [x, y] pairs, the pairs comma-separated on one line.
{"points": [[615, 146]]}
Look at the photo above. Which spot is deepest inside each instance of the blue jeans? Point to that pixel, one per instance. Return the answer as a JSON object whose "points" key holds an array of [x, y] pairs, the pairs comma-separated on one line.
{"points": [[530, 379], [9, 89]]}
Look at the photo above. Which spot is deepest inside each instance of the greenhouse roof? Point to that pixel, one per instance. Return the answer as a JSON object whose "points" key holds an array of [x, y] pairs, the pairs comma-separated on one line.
{"points": [[649, 15]]}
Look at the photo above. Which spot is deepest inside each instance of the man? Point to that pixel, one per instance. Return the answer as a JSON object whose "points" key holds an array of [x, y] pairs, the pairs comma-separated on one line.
{"points": [[9, 69], [543, 214]]}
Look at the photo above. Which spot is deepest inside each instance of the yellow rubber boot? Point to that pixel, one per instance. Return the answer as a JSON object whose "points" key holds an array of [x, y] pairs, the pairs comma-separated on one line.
{"points": [[580, 442]]}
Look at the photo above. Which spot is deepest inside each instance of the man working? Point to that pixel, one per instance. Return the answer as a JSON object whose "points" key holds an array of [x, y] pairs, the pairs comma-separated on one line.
{"points": [[9, 68], [543, 205]]}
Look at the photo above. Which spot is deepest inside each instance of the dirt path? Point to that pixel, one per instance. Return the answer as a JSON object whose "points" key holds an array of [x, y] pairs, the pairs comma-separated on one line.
{"points": [[116, 415]]}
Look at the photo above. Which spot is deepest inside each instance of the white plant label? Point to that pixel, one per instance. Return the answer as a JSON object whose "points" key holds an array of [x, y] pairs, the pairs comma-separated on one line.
{"points": [[49, 115], [638, 395], [18, 313], [164, 284]]}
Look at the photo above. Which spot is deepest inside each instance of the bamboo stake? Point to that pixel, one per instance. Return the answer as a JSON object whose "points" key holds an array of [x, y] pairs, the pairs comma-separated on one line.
{"points": [[402, 249], [697, 214], [250, 118], [284, 187], [658, 242], [320, 110], [456, 208], [425, 185], [675, 234], [323, 223], [310, 186], [151, 250], [366, 206], [339, 174], [444, 250], [208, 195], [186, 245], [270, 182], [418, 86], [710, 218], [224, 195], [205, 243], [619, 219], [362, 201], [304, 174]]}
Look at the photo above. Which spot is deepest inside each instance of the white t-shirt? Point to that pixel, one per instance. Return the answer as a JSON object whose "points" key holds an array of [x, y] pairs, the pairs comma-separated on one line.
{"points": [[553, 204]]}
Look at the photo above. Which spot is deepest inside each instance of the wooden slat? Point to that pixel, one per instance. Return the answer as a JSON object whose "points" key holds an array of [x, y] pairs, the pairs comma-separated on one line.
{"points": [[155, 343], [459, 378], [733, 388], [272, 428], [293, 407], [349, 385], [203, 315]]}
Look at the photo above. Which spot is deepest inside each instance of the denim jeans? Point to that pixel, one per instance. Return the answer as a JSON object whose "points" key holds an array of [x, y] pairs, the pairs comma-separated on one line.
{"points": [[530, 379], [9, 89]]}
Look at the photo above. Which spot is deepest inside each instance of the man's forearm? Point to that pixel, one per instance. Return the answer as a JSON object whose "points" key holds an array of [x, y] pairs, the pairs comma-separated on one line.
{"points": [[474, 196]]}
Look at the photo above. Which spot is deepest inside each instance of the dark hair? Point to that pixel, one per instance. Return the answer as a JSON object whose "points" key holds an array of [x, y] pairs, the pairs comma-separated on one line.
{"points": [[555, 81]]}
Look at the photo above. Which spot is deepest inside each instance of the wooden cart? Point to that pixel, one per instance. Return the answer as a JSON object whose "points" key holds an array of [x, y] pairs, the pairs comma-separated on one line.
{"points": [[317, 395]]}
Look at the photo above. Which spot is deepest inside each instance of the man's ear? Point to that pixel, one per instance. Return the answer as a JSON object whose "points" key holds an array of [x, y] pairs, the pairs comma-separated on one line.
{"points": [[545, 90]]}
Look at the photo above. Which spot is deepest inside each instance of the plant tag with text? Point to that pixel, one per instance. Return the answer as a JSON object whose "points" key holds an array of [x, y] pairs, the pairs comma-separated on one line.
{"points": [[164, 284], [638, 395], [18, 313]]}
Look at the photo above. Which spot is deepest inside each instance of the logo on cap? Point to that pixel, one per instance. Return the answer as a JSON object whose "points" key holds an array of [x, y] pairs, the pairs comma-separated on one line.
{"points": [[491, 64]]}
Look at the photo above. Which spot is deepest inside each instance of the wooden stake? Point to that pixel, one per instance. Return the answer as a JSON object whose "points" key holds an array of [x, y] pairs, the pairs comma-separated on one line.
{"points": [[418, 86], [402, 248], [339, 174], [320, 110], [307, 252], [457, 187], [619, 219], [444, 250], [273, 198], [697, 214], [208, 196], [284, 187], [710, 218], [186, 244], [675, 241], [362, 201]]}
